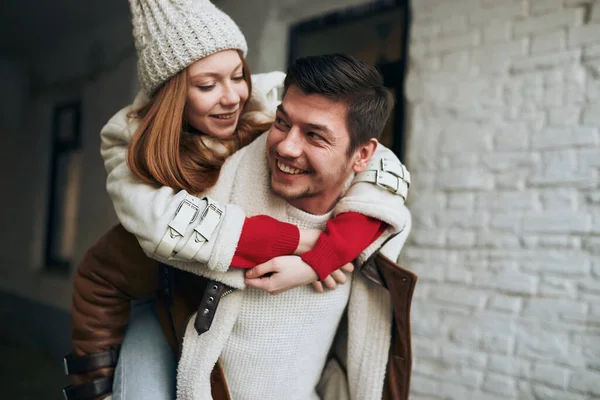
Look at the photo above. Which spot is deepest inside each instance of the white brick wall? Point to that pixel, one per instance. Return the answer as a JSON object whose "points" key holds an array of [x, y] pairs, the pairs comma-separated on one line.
{"points": [[505, 155]]}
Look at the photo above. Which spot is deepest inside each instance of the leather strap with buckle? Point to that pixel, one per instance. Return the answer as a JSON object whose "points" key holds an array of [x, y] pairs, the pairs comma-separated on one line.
{"points": [[390, 175], [90, 362], [89, 390]]}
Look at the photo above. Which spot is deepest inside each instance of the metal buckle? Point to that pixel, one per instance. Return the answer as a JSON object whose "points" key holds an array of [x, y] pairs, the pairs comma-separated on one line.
{"points": [[384, 185], [192, 205], [66, 366]]}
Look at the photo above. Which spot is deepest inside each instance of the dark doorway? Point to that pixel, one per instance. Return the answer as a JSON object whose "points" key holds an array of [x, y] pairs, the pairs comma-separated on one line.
{"points": [[376, 33]]}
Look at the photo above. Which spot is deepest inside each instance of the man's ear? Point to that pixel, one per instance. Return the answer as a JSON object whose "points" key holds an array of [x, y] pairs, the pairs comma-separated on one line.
{"points": [[364, 154]]}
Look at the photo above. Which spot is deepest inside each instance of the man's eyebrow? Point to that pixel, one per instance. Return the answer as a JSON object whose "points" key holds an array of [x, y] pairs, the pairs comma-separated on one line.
{"points": [[314, 127], [281, 110]]}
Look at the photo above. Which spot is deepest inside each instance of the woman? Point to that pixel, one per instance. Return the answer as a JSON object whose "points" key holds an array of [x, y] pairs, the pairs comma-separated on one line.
{"points": [[198, 113]]}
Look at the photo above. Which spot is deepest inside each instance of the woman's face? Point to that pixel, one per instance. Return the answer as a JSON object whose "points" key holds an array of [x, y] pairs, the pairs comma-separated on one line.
{"points": [[216, 94]]}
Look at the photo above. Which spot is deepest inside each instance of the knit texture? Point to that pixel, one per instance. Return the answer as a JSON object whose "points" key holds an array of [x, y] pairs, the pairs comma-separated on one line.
{"points": [[362, 342], [279, 344], [169, 35]]}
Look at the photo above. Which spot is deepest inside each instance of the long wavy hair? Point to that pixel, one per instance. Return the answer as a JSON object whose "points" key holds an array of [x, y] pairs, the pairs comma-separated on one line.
{"points": [[164, 151]]}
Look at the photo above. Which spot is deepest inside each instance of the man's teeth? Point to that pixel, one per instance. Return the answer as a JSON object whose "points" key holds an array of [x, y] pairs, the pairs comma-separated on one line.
{"points": [[288, 170]]}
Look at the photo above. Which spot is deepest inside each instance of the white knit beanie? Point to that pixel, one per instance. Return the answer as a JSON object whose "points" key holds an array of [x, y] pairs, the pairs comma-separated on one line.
{"points": [[172, 34]]}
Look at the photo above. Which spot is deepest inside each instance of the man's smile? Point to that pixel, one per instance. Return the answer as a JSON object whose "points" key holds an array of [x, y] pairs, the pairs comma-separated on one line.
{"points": [[288, 169]]}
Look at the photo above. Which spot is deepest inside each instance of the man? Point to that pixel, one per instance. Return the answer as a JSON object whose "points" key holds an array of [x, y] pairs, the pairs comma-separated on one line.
{"points": [[299, 344]]}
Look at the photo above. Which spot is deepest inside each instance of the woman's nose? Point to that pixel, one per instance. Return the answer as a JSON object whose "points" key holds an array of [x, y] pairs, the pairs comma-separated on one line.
{"points": [[230, 96]]}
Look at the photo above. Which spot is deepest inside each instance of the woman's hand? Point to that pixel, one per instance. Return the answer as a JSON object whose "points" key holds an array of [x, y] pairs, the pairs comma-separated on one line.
{"points": [[336, 277], [308, 240]]}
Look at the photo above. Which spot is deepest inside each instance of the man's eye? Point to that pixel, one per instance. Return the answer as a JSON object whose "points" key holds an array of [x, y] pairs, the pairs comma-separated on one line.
{"points": [[314, 135], [280, 121]]}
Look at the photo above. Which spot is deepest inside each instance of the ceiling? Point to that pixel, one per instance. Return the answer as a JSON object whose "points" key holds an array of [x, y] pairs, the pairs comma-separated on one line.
{"points": [[28, 25]]}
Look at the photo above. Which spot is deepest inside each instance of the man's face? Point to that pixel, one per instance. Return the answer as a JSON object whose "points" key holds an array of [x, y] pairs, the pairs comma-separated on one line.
{"points": [[307, 151]]}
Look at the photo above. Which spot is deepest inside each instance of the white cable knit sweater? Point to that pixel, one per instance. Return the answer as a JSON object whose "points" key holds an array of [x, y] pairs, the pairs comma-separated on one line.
{"points": [[369, 312], [279, 344]]}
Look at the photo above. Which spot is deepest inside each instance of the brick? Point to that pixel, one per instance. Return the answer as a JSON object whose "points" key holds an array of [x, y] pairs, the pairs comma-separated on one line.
{"points": [[552, 242], [557, 287], [498, 342], [540, 344], [497, 240], [586, 382], [551, 309], [421, 31], [453, 391], [514, 180], [461, 201], [546, 393], [510, 281], [500, 162], [423, 385], [545, 61], [460, 179], [458, 238], [510, 304], [512, 222], [557, 268], [589, 345], [457, 61], [557, 222], [545, 6], [592, 286], [589, 158], [510, 365], [560, 199], [582, 35], [425, 348], [507, 201], [551, 375], [579, 179], [591, 115], [505, 11], [454, 23], [497, 31], [428, 238], [452, 355], [462, 137], [554, 138], [564, 116], [465, 376], [547, 22], [510, 137], [460, 295], [548, 42], [454, 42], [592, 245], [500, 384]]}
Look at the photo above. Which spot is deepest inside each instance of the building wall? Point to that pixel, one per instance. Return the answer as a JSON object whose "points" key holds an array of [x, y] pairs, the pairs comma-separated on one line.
{"points": [[504, 106], [504, 149], [97, 67]]}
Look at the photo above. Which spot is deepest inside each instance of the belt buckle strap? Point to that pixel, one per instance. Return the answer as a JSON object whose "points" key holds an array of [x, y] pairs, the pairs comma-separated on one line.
{"points": [[379, 182]]}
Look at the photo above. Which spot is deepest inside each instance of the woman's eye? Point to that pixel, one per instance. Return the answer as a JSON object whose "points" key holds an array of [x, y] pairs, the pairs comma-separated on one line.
{"points": [[238, 78], [205, 88]]}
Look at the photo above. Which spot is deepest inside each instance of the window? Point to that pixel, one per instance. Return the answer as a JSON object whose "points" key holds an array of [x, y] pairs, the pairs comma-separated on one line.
{"points": [[65, 181]]}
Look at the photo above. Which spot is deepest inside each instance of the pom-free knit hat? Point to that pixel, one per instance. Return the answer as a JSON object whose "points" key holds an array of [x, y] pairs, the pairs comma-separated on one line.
{"points": [[172, 34]]}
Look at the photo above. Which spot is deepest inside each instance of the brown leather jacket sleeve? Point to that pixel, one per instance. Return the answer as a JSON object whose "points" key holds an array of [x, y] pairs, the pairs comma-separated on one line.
{"points": [[113, 272]]}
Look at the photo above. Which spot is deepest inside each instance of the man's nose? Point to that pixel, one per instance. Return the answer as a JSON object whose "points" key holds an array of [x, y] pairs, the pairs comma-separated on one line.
{"points": [[230, 96], [291, 145]]}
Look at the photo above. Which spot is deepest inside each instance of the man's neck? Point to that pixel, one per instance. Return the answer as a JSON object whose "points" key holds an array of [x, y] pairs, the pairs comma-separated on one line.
{"points": [[318, 205]]}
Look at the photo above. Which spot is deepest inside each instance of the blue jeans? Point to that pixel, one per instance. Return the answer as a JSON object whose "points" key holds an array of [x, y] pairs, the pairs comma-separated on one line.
{"points": [[147, 367]]}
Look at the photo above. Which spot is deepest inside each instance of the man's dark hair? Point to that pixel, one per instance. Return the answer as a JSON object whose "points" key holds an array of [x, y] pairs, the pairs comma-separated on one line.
{"points": [[349, 80]]}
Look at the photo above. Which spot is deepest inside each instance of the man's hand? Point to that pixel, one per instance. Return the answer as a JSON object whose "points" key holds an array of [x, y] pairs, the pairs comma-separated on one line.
{"points": [[336, 277], [285, 273]]}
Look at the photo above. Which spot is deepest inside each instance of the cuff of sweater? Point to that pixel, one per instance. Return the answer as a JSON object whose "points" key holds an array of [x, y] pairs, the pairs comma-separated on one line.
{"points": [[323, 259], [287, 240]]}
